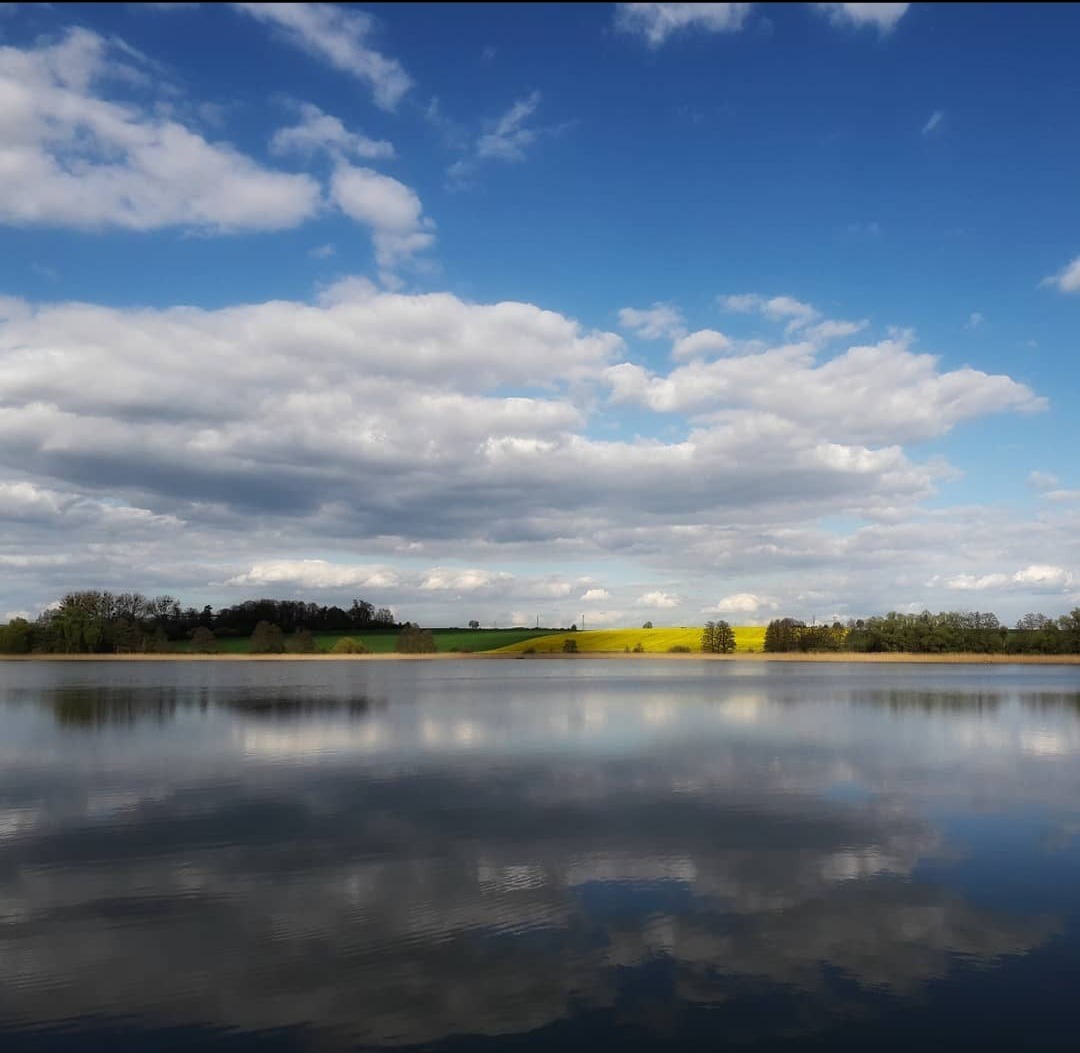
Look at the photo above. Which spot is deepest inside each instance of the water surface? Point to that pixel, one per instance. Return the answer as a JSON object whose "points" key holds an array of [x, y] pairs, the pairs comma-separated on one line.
{"points": [[550, 854]]}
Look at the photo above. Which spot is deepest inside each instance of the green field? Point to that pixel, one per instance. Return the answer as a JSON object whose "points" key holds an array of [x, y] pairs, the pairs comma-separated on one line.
{"points": [[383, 643], [653, 641]]}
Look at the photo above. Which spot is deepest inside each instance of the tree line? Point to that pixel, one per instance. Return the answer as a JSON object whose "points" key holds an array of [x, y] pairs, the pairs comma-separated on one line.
{"points": [[947, 632], [97, 622]]}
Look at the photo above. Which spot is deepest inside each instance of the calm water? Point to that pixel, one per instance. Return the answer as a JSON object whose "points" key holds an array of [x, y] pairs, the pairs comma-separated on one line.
{"points": [[537, 855]]}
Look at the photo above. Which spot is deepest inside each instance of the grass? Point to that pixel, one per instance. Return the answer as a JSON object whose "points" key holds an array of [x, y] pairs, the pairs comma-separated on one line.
{"points": [[383, 643], [653, 641]]}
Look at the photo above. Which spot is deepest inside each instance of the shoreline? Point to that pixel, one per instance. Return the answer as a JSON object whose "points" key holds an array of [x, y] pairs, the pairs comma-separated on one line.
{"points": [[884, 658]]}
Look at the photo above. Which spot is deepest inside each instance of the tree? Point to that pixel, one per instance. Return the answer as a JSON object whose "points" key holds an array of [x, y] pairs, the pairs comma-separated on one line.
{"points": [[647, 625], [301, 642], [159, 642], [783, 634], [203, 641], [708, 638], [474, 624], [15, 637], [347, 645], [267, 639], [725, 638], [570, 646], [414, 640], [573, 628]]}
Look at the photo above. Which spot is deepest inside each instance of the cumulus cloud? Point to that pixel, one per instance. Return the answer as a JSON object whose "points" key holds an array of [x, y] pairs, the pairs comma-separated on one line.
{"points": [[71, 157], [316, 574], [701, 342], [393, 211], [903, 396], [793, 313], [975, 319], [742, 603], [655, 23], [1038, 577], [653, 323], [339, 36], [882, 17], [658, 600], [398, 429], [1067, 280], [317, 131]]}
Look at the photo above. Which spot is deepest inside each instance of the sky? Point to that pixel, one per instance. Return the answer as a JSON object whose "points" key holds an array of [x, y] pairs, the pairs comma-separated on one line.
{"points": [[572, 313]]}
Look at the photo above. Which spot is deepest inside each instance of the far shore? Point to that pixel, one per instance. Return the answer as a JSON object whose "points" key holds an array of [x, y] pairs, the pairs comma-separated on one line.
{"points": [[877, 659]]}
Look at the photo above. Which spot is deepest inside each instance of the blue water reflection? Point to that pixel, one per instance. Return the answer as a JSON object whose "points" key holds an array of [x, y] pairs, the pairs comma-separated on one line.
{"points": [[343, 855]]}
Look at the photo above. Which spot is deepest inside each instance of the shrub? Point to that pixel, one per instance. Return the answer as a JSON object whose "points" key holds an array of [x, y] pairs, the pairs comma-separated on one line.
{"points": [[267, 639], [638, 649], [203, 642], [301, 642], [679, 649], [414, 640], [347, 645], [570, 647]]}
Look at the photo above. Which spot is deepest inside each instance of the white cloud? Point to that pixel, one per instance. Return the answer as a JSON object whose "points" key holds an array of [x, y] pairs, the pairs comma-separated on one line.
{"points": [[1039, 577], [390, 208], [701, 342], [656, 22], [882, 16], [69, 157], [323, 252], [794, 313], [658, 600], [1067, 280], [317, 131], [316, 574], [932, 122], [652, 323], [975, 319], [747, 603], [902, 395], [506, 138], [379, 425], [835, 329], [509, 136], [1042, 480], [593, 595], [462, 580], [340, 37]]}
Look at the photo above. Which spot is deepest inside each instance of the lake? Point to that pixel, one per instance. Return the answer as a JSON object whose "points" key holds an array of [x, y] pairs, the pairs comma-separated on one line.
{"points": [[549, 854]]}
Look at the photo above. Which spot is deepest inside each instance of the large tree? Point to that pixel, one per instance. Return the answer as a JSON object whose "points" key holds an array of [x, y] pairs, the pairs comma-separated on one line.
{"points": [[267, 639]]}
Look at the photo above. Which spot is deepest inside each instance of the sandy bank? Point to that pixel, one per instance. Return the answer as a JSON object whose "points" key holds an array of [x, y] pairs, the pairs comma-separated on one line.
{"points": [[875, 659]]}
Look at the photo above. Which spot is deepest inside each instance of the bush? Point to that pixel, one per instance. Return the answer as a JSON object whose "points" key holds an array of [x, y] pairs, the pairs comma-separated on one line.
{"points": [[414, 640], [301, 642], [679, 649], [347, 645], [529, 650], [267, 639], [638, 649], [203, 641], [570, 647]]}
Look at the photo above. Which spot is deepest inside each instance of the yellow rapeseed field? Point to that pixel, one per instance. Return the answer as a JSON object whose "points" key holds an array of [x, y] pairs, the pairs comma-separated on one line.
{"points": [[653, 641]]}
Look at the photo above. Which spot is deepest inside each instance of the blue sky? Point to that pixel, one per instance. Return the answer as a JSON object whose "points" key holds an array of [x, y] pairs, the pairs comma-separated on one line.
{"points": [[656, 311]]}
